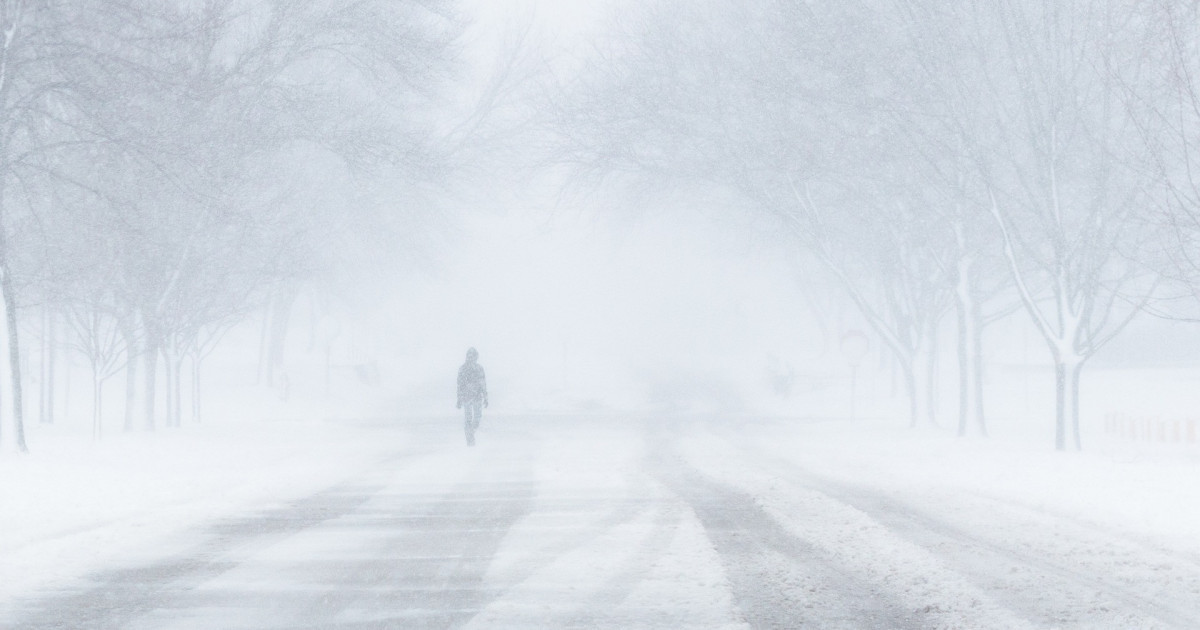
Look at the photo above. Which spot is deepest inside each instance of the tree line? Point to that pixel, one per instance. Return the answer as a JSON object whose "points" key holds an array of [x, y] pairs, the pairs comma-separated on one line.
{"points": [[168, 168], [937, 159]]}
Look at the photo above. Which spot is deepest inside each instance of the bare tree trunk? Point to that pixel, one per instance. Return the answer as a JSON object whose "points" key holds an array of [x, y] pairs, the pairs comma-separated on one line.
{"points": [[910, 383], [173, 385], [313, 322], [970, 351], [67, 386], [328, 366], [931, 375], [280, 321], [1073, 371], [52, 368], [964, 367], [43, 362], [262, 347], [131, 363], [169, 388], [195, 388], [175, 368], [1060, 413], [916, 383], [976, 360], [11, 22], [1066, 401], [14, 350], [151, 376], [96, 403]]}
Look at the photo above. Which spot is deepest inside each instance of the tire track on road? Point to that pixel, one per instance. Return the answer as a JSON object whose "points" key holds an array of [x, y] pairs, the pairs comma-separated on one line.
{"points": [[114, 598], [1030, 576], [426, 570], [779, 580]]}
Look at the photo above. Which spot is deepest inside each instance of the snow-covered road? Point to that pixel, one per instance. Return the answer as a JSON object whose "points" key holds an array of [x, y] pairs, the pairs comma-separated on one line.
{"points": [[627, 523]]}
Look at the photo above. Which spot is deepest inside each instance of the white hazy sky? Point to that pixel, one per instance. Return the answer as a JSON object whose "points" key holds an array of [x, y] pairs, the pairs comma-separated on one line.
{"points": [[568, 17], [589, 300]]}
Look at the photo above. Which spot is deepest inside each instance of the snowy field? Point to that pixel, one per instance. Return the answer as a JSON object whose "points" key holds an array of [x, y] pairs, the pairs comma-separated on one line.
{"points": [[597, 521]]}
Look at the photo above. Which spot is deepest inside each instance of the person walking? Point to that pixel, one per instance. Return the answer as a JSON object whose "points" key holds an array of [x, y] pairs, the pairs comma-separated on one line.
{"points": [[472, 394]]}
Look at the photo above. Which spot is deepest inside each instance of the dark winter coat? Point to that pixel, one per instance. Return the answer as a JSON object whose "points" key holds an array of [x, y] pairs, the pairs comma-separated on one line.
{"points": [[472, 384]]}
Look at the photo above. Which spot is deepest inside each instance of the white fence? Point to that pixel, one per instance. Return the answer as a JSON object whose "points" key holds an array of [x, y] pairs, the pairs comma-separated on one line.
{"points": [[1152, 428]]}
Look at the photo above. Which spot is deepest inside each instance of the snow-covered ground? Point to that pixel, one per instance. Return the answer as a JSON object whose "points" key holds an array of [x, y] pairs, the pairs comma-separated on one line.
{"points": [[598, 521], [981, 533], [74, 506]]}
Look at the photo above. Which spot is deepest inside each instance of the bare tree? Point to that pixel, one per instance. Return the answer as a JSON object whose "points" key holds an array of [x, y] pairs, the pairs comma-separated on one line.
{"points": [[1167, 110], [98, 339], [47, 364], [37, 102], [949, 141], [1059, 154], [211, 116], [173, 135], [781, 102], [936, 115]]}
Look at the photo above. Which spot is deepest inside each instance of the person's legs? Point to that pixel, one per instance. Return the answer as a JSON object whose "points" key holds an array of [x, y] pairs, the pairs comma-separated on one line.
{"points": [[469, 424], [477, 408]]}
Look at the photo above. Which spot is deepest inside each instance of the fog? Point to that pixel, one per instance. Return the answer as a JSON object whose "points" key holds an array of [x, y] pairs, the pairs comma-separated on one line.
{"points": [[868, 314]]}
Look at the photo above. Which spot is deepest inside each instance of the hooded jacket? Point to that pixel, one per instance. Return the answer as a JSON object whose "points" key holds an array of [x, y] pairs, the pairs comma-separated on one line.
{"points": [[472, 383]]}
